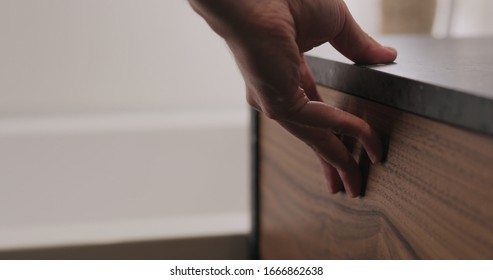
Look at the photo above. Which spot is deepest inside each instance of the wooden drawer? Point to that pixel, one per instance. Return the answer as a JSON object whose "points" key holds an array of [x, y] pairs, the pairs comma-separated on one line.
{"points": [[432, 198]]}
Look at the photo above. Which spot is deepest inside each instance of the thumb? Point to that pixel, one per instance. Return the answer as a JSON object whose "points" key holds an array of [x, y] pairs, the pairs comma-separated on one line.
{"points": [[358, 46]]}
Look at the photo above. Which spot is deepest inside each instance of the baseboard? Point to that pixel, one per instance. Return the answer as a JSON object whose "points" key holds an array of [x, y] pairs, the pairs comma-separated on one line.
{"points": [[231, 247]]}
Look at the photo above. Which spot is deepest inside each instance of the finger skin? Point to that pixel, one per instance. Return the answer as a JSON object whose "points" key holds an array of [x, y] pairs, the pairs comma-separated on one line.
{"points": [[333, 152], [321, 115], [323, 21], [334, 182], [358, 46]]}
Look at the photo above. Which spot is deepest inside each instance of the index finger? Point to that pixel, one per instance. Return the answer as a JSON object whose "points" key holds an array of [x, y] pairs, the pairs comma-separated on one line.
{"points": [[321, 115]]}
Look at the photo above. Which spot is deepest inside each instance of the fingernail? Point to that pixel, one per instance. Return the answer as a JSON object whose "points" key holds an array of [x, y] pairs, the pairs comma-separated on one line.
{"points": [[374, 158], [393, 50], [353, 195]]}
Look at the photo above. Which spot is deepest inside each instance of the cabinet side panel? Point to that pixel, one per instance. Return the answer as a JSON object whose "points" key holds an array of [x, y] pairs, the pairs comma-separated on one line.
{"points": [[430, 199]]}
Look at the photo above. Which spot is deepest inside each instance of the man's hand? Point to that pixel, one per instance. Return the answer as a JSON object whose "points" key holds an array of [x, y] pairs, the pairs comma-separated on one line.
{"points": [[268, 39]]}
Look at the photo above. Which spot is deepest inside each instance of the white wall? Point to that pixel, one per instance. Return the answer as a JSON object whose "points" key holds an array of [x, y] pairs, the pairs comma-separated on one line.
{"points": [[119, 120], [472, 18], [69, 56], [467, 18], [367, 13]]}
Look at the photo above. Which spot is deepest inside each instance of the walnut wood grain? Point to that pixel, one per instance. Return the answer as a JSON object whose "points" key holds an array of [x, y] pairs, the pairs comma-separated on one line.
{"points": [[431, 199]]}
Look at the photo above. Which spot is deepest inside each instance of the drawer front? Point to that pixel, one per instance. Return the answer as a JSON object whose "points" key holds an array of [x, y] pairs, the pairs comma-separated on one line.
{"points": [[432, 198]]}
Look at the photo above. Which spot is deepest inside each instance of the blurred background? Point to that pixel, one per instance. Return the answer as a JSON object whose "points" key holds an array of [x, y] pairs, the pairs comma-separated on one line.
{"points": [[125, 121]]}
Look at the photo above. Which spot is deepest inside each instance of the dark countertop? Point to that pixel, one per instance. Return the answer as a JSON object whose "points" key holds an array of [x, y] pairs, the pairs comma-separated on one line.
{"points": [[449, 80]]}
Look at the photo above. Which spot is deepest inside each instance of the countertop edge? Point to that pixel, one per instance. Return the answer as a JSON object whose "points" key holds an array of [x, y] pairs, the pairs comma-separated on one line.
{"points": [[450, 106]]}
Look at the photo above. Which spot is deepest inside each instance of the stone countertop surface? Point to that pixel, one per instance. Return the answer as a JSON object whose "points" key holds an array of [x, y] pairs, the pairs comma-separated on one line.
{"points": [[449, 80]]}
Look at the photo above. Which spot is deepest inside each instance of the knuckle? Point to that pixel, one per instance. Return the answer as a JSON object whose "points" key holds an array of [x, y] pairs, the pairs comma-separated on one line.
{"points": [[285, 108]]}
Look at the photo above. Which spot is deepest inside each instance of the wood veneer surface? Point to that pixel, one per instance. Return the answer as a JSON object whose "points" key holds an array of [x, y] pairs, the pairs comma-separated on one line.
{"points": [[431, 199]]}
